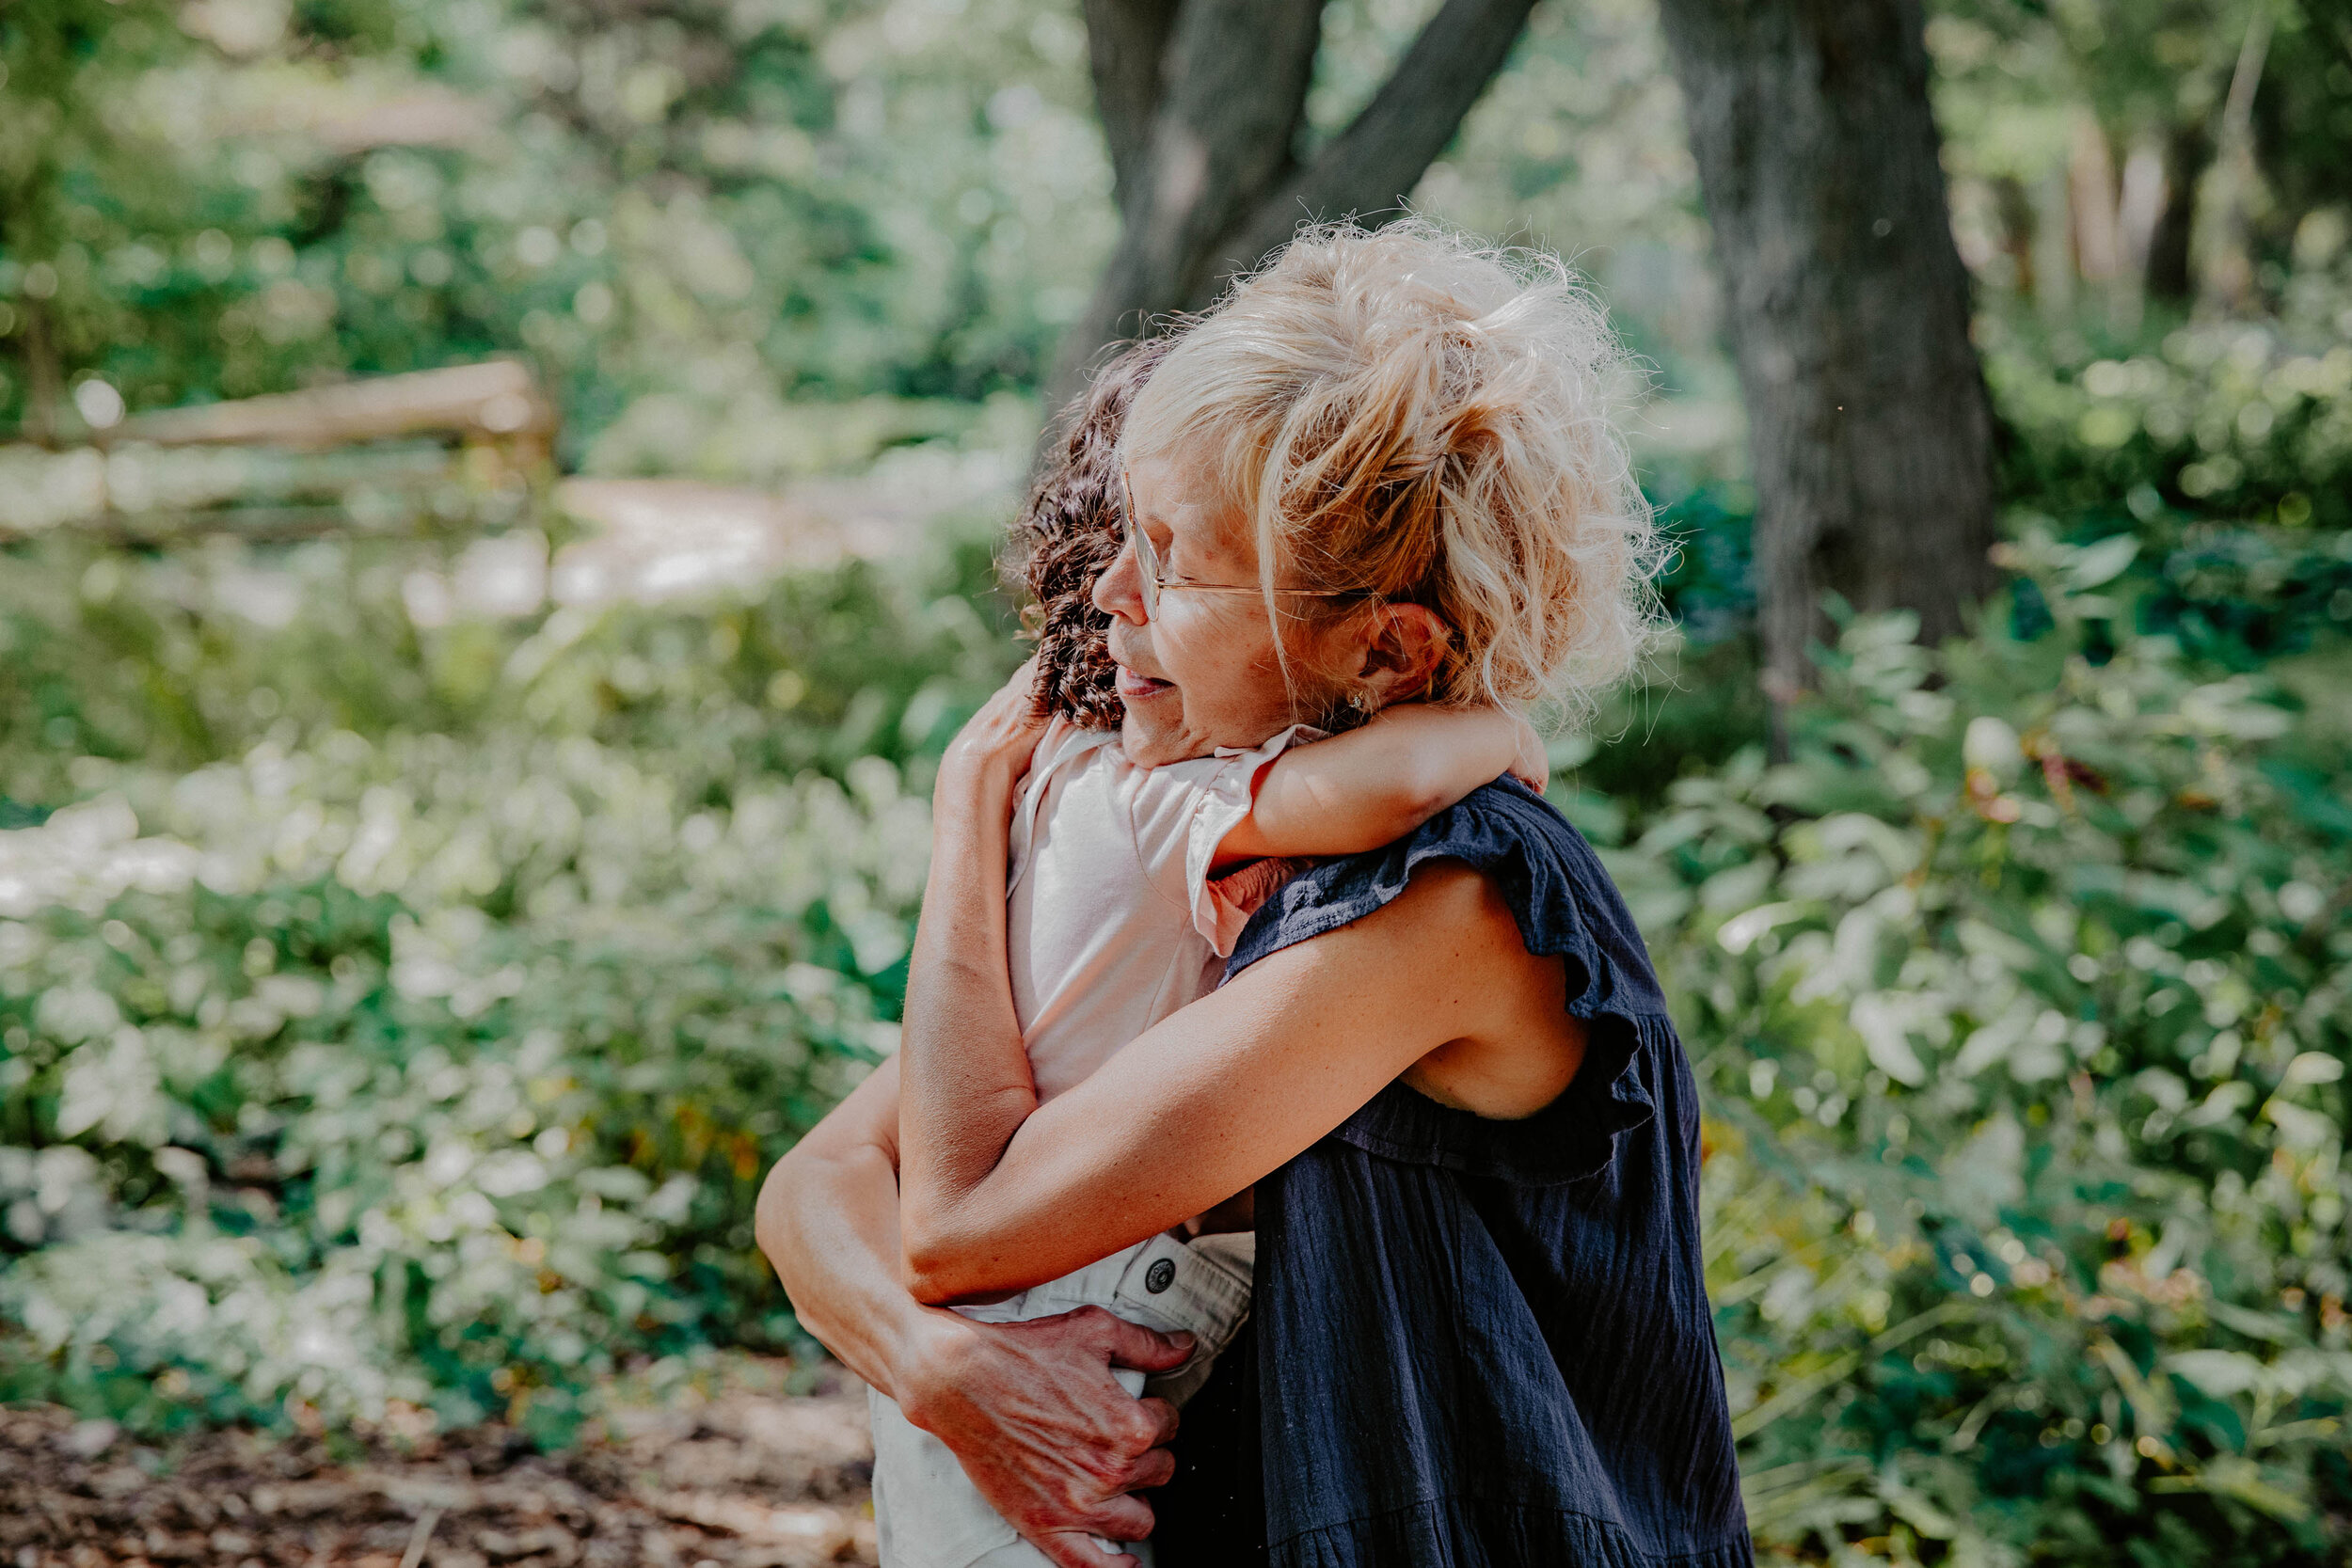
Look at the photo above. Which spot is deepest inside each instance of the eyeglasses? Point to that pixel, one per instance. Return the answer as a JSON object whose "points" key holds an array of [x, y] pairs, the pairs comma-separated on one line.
{"points": [[1147, 567]]}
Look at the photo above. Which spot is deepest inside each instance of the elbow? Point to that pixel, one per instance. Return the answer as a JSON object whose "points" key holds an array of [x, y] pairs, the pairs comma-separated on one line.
{"points": [[934, 1261], [927, 1262], [1418, 796], [771, 1224], [930, 1287], [1432, 797]]}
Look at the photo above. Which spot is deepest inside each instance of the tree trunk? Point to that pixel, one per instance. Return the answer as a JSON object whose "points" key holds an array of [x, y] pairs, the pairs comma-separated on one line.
{"points": [[1871, 432], [2226, 266], [2187, 149], [1203, 103]]}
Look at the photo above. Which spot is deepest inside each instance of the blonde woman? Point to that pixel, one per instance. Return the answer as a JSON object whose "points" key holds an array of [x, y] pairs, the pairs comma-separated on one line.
{"points": [[1481, 1332]]}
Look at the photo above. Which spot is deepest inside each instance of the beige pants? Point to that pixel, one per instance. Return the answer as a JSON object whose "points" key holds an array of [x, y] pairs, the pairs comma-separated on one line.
{"points": [[926, 1512]]}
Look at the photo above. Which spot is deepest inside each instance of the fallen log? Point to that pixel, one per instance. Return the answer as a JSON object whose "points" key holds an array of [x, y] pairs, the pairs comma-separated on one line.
{"points": [[497, 400]]}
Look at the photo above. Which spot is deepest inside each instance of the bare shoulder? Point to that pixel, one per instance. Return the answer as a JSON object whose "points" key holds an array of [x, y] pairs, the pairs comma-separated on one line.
{"points": [[1443, 960], [1519, 1047]]}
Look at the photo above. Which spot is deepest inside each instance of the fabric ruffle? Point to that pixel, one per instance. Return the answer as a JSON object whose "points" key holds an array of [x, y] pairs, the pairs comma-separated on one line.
{"points": [[1472, 1532], [1566, 906], [1221, 908]]}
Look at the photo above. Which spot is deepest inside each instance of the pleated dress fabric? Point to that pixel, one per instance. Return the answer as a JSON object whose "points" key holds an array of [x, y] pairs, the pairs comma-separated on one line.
{"points": [[1486, 1342]]}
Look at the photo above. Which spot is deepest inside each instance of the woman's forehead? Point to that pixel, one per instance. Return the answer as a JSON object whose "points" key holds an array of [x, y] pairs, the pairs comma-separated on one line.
{"points": [[1183, 498]]}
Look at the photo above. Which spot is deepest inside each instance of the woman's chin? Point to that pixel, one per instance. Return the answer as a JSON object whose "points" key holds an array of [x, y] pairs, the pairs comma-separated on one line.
{"points": [[1153, 732]]}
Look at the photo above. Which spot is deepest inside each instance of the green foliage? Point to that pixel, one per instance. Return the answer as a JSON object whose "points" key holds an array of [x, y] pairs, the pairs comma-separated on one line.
{"points": [[685, 217], [400, 1014], [2246, 421], [2224, 447], [418, 1031], [2020, 81], [2021, 993], [416, 1027]]}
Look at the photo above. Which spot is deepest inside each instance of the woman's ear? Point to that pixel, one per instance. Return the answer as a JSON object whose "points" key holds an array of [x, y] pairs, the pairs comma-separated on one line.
{"points": [[1403, 644]]}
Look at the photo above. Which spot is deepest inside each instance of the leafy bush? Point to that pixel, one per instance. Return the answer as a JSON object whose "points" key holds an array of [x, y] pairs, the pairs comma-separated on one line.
{"points": [[404, 1017], [2021, 996], [366, 1063], [2248, 421]]}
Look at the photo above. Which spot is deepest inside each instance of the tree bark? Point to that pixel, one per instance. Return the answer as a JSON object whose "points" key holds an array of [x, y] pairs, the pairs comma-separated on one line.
{"points": [[2187, 149], [1126, 41], [1370, 166], [1203, 103], [1871, 432]]}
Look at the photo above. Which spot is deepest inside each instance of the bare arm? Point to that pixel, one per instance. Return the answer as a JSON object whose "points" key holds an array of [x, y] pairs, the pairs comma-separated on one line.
{"points": [[1436, 982], [1374, 785], [828, 1220], [966, 1083], [997, 1195], [1031, 1409]]}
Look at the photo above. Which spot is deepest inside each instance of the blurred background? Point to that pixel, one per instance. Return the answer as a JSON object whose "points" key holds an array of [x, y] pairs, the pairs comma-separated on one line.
{"points": [[497, 505]]}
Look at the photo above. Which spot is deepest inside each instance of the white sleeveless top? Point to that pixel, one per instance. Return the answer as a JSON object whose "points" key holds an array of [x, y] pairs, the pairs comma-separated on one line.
{"points": [[1111, 919]]}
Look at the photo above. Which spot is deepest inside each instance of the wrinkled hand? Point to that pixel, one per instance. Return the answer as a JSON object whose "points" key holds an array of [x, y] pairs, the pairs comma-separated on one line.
{"points": [[1532, 766], [991, 750], [1047, 1435]]}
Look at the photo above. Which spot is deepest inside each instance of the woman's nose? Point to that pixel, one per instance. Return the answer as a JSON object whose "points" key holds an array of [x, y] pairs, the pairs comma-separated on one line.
{"points": [[1120, 590]]}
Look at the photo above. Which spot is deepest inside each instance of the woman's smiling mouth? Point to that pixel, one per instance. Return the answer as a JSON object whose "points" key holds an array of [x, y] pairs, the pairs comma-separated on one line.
{"points": [[1132, 686]]}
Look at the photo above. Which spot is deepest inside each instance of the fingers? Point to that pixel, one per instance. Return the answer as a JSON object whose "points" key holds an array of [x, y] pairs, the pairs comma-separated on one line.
{"points": [[1136, 1347], [1014, 695], [1164, 1424], [1125, 1518], [1121, 1518], [1533, 767], [1155, 1468]]}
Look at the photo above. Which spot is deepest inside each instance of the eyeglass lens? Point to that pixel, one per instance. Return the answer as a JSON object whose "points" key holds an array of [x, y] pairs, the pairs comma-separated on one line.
{"points": [[1147, 558]]}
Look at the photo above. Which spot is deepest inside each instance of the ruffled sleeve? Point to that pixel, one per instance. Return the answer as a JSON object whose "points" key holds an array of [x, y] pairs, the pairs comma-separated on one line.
{"points": [[1566, 906], [1222, 907]]}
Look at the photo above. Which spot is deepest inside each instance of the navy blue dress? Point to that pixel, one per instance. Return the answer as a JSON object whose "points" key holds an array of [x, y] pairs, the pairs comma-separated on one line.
{"points": [[1488, 1342]]}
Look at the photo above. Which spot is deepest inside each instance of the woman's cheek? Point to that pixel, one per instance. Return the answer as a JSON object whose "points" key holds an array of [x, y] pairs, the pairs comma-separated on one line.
{"points": [[1187, 647]]}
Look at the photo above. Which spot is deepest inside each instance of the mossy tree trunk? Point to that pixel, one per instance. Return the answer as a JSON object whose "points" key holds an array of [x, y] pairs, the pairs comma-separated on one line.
{"points": [[1871, 437]]}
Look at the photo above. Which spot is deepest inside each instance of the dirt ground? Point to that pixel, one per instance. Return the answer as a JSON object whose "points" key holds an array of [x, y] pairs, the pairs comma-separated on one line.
{"points": [[741, 1477]]}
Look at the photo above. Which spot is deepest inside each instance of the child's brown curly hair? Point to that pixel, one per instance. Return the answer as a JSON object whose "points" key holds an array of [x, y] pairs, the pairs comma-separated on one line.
{"points": [[1067, 535]]}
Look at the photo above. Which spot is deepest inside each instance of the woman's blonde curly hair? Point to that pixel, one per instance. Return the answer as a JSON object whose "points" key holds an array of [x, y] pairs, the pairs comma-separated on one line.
{"points": [[1409, 413]]}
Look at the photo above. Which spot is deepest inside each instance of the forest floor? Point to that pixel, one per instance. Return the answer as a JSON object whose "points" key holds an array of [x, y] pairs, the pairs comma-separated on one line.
{"points": [[740, 1475]]}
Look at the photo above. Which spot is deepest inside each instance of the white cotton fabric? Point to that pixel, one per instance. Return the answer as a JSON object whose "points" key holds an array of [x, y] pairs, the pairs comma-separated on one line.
{"points": [[1112, 922], [926, 1512]]}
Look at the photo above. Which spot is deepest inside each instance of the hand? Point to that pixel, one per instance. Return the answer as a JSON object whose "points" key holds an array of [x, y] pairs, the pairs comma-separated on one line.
{"points": [[1532, 766], [1047, 1435], [992, 749]]}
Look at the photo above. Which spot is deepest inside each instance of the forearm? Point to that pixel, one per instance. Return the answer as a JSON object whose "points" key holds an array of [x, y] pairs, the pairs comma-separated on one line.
{"points": [[1373, 785], [965, 1085], [1212, 1098], [828, 1220], [1030, 1410], [830, 1228], [1188, 1122]]}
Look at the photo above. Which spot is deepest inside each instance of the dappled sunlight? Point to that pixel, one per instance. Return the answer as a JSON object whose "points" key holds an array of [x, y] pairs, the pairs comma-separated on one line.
{"points": [[498, 516]]}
